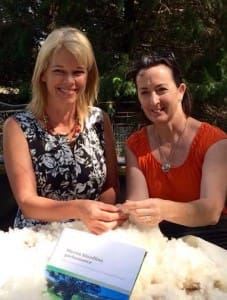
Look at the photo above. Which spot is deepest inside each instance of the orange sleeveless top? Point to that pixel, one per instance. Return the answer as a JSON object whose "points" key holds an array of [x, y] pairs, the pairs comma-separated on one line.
{"points": [[180, 183]]}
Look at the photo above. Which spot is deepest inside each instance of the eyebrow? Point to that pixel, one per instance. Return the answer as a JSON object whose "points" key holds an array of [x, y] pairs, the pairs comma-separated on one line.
{"points": [[143, 89], [162, 84], [61, 66], [54, 66], [147, 87]]}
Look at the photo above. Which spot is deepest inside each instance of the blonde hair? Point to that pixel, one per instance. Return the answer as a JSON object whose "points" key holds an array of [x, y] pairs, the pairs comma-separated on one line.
{"points": [[78, 44]]}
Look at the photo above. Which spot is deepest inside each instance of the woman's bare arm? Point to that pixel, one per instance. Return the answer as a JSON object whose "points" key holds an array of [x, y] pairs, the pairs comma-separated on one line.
{"points": [[18, 164], [204, 211]]}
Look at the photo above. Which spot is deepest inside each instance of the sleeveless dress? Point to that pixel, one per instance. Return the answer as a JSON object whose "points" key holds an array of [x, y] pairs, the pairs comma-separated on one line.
{"points": [[64, 172]]}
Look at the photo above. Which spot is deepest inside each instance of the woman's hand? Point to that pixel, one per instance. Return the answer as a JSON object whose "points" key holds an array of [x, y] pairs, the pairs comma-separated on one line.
{"points": [[147, 212], [100, 217]]}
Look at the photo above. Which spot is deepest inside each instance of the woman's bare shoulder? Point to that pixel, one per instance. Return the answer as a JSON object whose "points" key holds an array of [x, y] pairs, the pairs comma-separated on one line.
{"points": [[194, 124], [10, 124]]}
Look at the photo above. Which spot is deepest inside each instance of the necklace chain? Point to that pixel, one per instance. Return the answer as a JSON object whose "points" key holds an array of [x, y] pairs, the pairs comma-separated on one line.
{"points": [[70, 135], [166, 161]]}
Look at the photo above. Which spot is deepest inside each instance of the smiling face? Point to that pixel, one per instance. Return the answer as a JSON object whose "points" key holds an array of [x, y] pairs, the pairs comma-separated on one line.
{"points": [[65, 78], [158, 94]]}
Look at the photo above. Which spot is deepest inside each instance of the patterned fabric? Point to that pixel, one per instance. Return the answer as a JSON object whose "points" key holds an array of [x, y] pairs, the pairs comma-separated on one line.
{"points": [[64, 172], [181, 183]]}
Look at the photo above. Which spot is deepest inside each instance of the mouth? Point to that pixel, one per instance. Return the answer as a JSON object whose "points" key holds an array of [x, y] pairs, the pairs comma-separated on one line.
{"points": [[157, 110], [67, 91]]}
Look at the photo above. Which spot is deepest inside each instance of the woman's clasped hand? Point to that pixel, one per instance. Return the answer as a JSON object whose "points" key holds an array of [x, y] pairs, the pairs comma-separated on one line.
{"points": [[145, 212]]}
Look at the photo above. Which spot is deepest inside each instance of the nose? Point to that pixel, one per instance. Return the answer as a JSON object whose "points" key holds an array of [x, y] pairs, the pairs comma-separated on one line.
{"points": [[69, 77], [154, 98]]}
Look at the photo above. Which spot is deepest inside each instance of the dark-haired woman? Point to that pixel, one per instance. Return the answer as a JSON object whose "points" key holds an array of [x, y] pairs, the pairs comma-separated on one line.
{"points": [[176, 166]]}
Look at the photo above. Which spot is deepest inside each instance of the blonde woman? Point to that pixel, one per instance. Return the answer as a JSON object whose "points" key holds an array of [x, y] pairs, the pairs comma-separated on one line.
{"points": [[59, 153]]}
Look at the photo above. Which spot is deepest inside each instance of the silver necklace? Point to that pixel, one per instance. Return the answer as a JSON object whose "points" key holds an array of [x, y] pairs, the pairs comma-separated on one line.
{"points": [[166, 161]]}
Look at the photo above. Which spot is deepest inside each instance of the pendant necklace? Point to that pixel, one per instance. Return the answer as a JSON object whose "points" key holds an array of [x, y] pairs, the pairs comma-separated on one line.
{"points": [[166, 161]]}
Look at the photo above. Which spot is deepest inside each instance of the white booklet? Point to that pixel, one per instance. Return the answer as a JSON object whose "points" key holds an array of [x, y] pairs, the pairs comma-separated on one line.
{"points": [[87, 266]]}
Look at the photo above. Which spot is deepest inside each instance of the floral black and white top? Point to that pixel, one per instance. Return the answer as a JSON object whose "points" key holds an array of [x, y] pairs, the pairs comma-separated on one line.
{"points": [[64, 172]]}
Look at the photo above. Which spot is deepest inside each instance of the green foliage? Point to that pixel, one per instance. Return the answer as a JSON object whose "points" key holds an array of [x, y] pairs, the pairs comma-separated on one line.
{"points": [[120, 31], [123, 87], [114, 84], [20, 34], [213, 86]]}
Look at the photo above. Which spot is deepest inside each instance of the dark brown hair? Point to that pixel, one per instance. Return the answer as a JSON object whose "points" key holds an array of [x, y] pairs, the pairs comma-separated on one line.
{"points": [[168, 59]]}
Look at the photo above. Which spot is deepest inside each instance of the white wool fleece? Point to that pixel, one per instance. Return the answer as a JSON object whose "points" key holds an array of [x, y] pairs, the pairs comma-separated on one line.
{"points": [[182, 269]]}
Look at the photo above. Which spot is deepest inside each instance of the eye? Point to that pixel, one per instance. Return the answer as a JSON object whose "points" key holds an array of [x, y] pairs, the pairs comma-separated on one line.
{"points": [[144, 93], [161, 90], [78, 72], [58, 71]]}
